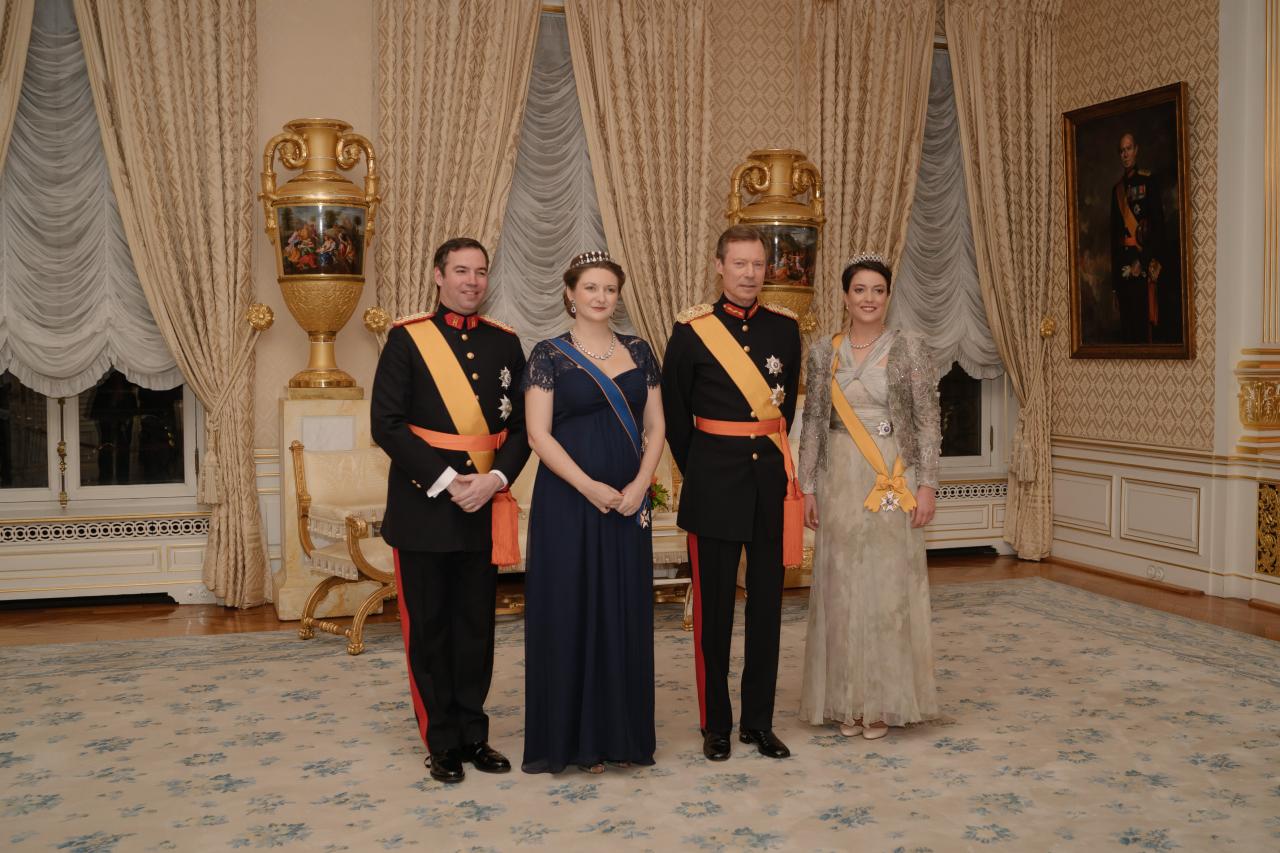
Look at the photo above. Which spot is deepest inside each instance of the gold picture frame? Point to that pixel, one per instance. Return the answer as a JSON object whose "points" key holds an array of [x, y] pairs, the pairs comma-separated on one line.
{"points": [[1129, 227]]}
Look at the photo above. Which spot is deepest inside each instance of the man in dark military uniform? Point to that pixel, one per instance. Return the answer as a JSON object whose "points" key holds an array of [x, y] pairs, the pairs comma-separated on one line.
{"points": [[438, 515], [1138, 264], [734, 485]]}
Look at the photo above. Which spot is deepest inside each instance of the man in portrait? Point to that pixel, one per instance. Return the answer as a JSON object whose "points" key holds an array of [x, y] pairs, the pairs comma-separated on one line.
{"points": [[1138, 261]]}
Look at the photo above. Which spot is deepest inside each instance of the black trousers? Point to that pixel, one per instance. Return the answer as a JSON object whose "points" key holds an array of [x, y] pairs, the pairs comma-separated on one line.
{"points": [[447, 619], [715, 574]]}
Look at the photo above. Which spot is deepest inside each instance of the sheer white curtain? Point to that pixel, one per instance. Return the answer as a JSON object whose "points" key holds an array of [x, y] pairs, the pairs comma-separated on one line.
{"points": [[936, 290], [552, 212], [71, 306]]}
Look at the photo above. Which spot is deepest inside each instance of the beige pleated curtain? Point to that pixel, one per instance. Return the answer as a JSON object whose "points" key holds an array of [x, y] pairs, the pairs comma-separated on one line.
{"points": [[870, 70], [643, 77], [1002, 60], [175, 86], [451, 81], [15, 33]]}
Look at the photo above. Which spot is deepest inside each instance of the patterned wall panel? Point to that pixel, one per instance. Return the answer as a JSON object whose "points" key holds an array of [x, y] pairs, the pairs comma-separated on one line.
{"points": [[758, 92], [1107, 49]]}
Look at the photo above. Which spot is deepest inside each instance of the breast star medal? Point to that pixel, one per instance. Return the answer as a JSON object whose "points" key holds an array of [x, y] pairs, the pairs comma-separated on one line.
{"points": [[504, 407], [504, 378], [889, 502], [773, 364], [777, 394]]}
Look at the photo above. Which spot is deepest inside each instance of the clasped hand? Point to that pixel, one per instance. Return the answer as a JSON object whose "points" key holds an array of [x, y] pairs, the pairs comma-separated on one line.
{"points": [[472, 491], [626, 502]]}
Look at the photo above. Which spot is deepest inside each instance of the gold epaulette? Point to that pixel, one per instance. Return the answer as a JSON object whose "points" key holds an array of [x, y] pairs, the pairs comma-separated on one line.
{"points": [[693, 312], [497, 324], [413, 318], [779, 309]]}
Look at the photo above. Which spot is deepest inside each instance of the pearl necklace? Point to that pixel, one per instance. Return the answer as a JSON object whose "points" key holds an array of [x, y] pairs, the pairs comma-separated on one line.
{"points": [[868, 343], [613, 345]]}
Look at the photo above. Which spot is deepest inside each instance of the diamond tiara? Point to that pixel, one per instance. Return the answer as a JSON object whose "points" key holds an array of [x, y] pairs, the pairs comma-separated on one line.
{"points": [[863, 257], [588, 258]]}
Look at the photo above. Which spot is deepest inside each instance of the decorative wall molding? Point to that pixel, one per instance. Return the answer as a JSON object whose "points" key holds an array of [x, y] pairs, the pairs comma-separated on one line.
{"points": [[1268, 529], [1160, 514], [978, 489], [23, 531], [1082, 500]]}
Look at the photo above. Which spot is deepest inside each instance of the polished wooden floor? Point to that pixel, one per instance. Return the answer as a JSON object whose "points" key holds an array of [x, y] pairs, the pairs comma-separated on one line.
{"points": [[77, 623]]}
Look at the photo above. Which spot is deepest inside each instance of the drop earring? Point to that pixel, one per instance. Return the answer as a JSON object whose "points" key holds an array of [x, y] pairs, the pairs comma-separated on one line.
{"points": [[573, 307]]}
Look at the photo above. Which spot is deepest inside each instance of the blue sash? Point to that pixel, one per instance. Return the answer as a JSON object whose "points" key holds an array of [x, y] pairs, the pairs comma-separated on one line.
{"points": [[617, 401]]}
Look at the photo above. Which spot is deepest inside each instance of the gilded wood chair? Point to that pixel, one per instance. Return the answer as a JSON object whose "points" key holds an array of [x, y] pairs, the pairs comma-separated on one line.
{"points": [[341, 497]]}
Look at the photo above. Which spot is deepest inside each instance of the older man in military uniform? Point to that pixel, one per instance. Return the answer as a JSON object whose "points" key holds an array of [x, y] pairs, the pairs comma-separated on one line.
{"points": [[1137, 250], [729, 442], [447, 409]]}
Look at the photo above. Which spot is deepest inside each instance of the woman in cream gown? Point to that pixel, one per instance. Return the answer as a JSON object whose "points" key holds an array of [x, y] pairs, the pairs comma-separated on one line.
{"points": [[869, 653]]}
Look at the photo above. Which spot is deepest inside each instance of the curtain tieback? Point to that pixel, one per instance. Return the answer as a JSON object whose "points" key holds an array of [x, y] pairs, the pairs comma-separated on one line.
{"points": [[209, 482]]}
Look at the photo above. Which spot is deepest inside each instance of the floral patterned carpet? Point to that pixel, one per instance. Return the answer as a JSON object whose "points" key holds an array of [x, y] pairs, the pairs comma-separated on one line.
{"points": [[1072, 721]]}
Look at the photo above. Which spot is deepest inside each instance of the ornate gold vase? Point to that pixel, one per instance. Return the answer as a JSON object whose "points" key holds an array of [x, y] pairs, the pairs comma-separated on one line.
{"points": [[320, 225], [776, 179]]}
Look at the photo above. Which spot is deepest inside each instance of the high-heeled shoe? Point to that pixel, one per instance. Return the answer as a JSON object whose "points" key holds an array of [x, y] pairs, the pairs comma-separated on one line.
{"points": [[875, 731], [851, 729]]}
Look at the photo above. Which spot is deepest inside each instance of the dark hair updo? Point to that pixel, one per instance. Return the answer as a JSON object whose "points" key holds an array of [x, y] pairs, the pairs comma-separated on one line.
{"points": [[862, 262]]}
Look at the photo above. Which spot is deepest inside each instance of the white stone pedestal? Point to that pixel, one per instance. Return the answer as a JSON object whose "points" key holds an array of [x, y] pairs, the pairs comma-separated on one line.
{"points": [[322, 424]]}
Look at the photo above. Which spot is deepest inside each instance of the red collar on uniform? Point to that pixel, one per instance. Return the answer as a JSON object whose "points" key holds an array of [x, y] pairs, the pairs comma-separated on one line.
{"points": [[461, 321], [740, 312]]}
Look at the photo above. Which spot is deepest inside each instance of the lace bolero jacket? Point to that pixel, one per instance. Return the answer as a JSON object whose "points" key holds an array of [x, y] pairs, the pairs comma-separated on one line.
{"points": [[913, 409]]}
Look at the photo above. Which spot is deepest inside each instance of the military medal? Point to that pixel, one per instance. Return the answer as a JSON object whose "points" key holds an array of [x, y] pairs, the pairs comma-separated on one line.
{"points": [[777, 394], [773, 364], [504, 377], [504, 407]]}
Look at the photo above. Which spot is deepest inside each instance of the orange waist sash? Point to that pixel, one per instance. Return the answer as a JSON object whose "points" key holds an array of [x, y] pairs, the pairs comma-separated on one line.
{"points": [[793, 504], [453, 441], [505, 524]]}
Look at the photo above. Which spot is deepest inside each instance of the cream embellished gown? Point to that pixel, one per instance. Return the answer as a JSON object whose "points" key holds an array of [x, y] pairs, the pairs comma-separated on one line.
{"points": [[869, 651]]}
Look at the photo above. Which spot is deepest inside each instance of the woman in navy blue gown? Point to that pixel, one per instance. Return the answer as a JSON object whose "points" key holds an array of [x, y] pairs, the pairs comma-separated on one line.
{"points": [[593, 413]]}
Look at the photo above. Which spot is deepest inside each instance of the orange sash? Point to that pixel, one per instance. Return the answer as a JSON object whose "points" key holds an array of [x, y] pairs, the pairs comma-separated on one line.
{"points": [[473, 434], [769, 421]]}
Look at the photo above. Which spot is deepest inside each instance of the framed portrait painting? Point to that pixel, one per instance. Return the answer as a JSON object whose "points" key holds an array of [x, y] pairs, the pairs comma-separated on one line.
{"points": [[1128, 224]]}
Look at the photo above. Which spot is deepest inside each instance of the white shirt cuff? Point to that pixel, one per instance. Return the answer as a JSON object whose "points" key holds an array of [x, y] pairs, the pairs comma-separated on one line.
{"points": [[501, 476], [442, 482]]}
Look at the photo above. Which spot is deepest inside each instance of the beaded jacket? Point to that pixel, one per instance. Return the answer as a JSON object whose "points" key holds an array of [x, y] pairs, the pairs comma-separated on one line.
{"points": [[913, 409]]}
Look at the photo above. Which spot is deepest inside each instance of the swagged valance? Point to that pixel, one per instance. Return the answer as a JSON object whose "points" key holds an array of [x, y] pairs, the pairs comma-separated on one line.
{"points": [[936, 290], [71, 305]]}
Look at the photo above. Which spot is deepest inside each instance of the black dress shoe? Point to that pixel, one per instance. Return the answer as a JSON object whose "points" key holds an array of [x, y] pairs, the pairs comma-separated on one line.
{"points": [[446, 766], [485, 758], [715, 746], [766, 741]]}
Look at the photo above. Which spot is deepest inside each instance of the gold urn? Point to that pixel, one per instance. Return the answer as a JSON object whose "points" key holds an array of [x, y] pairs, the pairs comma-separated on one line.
{"points": [[784, 195], [321, 225]]}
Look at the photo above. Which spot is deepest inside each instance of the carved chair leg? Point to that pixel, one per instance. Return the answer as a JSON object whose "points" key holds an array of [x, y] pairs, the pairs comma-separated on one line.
{"points": [[355, 636], [306, 631]]}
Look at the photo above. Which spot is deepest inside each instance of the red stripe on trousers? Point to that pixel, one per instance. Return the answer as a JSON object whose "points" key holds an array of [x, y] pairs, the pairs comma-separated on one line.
{"points": [[420, 709], [699, 665]]}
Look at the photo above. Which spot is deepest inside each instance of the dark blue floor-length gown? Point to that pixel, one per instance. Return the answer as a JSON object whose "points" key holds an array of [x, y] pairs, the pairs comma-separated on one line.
{"points": [[588, 581]]}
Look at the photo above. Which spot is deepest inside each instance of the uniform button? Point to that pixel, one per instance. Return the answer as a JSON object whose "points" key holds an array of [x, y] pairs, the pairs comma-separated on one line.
{"points": [[746, 348], [475, 376], [745, 327], [469, 463], [464, 336], [755, 455], [471, 355], [753, 414]]}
